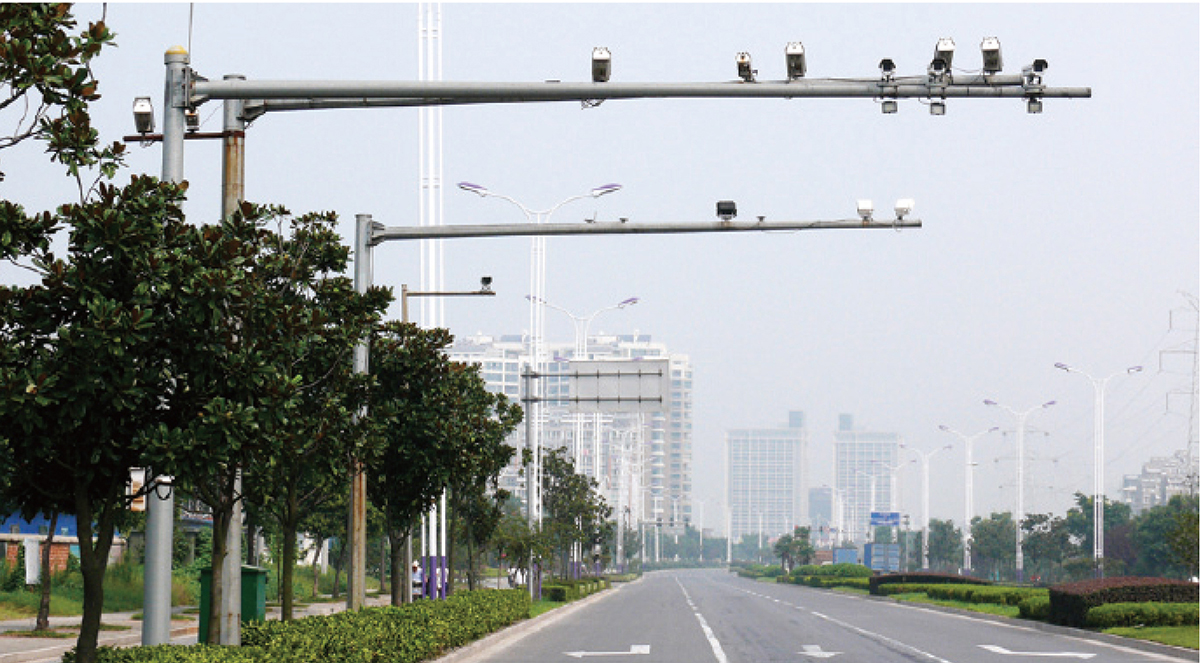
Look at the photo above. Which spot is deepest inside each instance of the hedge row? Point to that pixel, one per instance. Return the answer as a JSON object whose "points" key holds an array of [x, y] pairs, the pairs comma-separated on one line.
{"points": [[839, 570], [984, 593], [826, 582], [923, 579], [1035, 607], [570, 590], [1071, 603], [408, 634], [1112, 615]]}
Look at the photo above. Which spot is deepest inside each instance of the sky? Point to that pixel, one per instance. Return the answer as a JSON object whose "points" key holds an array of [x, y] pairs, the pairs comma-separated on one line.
{"points": [[1065, 236]]}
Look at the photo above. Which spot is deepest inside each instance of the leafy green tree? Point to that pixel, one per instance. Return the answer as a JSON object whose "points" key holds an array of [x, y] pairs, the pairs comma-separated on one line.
{"points": [[1158, 533], [1184, 539], [945, 544], [1047, 544], [1080, 520], [993, 548], [573, 509]]}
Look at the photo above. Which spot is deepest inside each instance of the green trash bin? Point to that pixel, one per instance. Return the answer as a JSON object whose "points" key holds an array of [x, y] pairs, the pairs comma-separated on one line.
{"points": [[254, 595]]}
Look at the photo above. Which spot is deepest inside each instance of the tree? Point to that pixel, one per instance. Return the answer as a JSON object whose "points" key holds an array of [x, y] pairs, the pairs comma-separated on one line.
{"points": [[1158, 534], [993, 546], [1080, 520], [945, 544], [573, 509], [1184, 536], [1046, 543]]}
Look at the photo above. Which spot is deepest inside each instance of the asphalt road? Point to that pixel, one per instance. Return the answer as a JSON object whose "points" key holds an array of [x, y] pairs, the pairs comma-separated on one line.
{"points": [[712, 615]]}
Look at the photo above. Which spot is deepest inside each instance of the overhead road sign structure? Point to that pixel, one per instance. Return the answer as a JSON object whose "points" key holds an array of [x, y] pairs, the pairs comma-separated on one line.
{"points": [[619, 386], [885, 519]]}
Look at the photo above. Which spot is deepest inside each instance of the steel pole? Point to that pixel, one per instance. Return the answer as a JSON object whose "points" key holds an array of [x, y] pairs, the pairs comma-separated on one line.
{"points": [[160, 510], [356, 577], [233, 192]]}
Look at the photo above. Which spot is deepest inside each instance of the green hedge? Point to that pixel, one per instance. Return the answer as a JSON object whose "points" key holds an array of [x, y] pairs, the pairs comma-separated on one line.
{"points": [[408, 634], [841, 570], [921, 578], [1035, 607], [1071, 603], [827, 582], [985, 593], [1111, 615]]}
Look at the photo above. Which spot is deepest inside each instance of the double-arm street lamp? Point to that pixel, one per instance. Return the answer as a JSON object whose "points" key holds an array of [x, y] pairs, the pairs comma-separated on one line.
{"points": [[925, 456], [969, 495], [1098, 483], [1020, 516], [537, 322]]}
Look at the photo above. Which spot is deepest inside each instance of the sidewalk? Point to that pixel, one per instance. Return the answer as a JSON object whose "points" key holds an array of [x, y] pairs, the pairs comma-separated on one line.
{"points": [[24, 649]]}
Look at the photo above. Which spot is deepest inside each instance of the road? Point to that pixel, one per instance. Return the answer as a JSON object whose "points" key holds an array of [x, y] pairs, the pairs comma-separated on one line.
{"points": [[711, 615]]}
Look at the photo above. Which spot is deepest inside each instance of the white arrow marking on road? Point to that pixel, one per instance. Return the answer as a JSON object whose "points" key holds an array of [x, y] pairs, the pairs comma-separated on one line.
{"points": [[815, 652], [634, 650], [1061, 654]]}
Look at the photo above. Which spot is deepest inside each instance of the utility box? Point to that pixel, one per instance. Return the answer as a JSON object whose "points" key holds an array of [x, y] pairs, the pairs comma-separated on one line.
{"points": [[254, 595]]}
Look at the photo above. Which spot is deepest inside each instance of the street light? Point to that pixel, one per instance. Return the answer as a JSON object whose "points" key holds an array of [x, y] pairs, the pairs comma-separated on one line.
{"points": [[1021, 417], [1098, 483], [537, 324], [925, 498], [969, 499]]}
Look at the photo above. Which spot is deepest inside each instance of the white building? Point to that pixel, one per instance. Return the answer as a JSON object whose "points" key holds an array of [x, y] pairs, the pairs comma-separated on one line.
{"points": [[1161, 479], [766, 483], [864, 466], [642, 462]]}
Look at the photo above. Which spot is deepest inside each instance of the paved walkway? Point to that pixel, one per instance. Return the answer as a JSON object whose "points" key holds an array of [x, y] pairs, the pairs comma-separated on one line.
{"points": [[25, 649]]}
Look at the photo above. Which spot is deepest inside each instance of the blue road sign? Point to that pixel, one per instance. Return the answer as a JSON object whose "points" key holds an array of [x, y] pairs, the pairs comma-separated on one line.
{"points": [[885, 519]]}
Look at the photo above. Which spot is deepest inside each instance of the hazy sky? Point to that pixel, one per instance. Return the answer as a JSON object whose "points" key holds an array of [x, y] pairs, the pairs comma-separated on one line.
{"points": [[1064, 236]]}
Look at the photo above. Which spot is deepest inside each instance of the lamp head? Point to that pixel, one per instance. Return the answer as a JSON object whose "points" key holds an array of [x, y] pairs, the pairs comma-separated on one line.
{"points": [[473, 188], [1062, 366], [605, 188], [1134, 369], [628, 302]]}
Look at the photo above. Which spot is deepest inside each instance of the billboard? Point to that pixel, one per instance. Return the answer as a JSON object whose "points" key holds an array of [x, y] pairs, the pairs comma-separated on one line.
{"points": [[620, 386]]}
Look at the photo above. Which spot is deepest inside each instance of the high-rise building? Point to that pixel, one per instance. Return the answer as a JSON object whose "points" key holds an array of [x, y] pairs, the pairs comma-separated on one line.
{"points": [[766, 481], [642, 462], [864, 463], [1161, 479]]}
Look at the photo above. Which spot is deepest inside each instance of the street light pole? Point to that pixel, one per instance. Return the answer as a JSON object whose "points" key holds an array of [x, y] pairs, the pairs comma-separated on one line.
{"points": [[1098, 482], [537, 288], [925, 456], [969, 495], [1021, 418]]}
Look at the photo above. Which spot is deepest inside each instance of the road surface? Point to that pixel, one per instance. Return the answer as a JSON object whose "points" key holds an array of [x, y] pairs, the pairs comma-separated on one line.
{"points": [[702, 616]]}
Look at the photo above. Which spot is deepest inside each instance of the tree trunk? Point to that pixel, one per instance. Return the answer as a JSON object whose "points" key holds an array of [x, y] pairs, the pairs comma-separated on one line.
{"points": [[317, 566], [93, 560], [221, 517], [399, 571], [289, 524], [43, 615]]}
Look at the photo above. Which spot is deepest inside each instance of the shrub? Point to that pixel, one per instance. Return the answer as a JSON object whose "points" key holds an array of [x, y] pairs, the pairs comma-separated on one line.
{"points": [[984, 593], [1070, 603], [1112, 615], [1035, 607], [922, 578]]}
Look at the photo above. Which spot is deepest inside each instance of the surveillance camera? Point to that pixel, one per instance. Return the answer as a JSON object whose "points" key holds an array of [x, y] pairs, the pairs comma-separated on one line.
{"points": [[486, 283], [993, 62], [887, 68], [143, 115], [904, 206], [865, 209], [794, 55], [726, 209], [944, 51], [601, 64], [743, 66]]}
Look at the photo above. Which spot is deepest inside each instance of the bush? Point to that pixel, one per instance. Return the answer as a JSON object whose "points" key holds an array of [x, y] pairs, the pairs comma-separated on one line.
{"points": [[984, 593], [1112, 615], [1035, 607], [408, 634], [1070, 603], [922, 578]]}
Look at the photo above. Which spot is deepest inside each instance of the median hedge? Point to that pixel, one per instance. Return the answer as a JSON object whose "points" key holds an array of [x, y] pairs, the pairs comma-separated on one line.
{"points": [[1071, 603], [1112, 615], [407, 634], [920, 578]]}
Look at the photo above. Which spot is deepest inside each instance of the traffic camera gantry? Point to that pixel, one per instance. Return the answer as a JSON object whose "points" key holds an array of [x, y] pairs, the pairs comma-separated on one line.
{"points": [[246, 100]]}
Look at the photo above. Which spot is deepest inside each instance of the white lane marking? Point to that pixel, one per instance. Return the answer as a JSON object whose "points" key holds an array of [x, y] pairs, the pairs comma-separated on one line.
{"points": [[881, 638], [634, 650], [997, 649], [816, 652], [708, 633]]}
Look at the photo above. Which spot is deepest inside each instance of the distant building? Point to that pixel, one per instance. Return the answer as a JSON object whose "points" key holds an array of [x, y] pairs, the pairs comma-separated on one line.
{"points": [[820, 515], [860, 455], [643, 462], [1161, 479], [767, 487]]}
